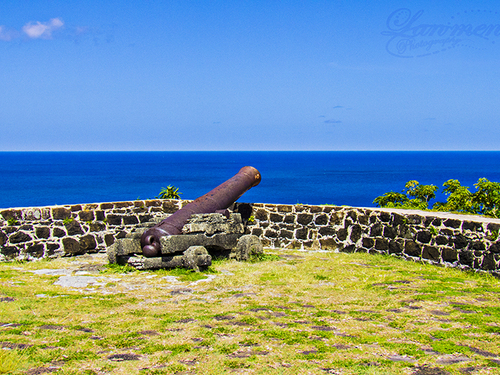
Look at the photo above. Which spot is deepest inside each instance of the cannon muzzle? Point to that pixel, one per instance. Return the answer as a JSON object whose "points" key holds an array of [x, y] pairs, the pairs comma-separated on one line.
{"points": [[217, 199]]}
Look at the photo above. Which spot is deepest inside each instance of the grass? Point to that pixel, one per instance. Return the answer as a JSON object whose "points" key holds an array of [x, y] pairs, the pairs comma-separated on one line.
{"points": [[283, 313]]}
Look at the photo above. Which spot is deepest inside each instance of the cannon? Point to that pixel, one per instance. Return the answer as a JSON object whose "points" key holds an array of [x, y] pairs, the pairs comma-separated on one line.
{"points": [[216, 200]]}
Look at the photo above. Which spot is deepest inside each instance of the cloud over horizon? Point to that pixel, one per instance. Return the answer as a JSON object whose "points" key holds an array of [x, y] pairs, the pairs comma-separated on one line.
{"points": [[42, 30]]}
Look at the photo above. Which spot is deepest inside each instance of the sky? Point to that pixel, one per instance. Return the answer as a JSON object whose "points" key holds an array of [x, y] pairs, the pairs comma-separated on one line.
{"points": [[152, 75]]}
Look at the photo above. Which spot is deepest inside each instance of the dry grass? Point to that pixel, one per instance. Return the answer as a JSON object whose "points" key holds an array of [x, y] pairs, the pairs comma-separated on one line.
{"points": [[302, 312]]}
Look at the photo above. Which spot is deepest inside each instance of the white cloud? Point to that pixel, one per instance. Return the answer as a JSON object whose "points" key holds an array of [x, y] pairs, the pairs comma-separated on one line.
{"points": [[42, 30]]}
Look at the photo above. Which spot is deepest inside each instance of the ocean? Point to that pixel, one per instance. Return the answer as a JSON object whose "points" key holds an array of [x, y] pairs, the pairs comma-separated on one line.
{"points": [[325, 177]]}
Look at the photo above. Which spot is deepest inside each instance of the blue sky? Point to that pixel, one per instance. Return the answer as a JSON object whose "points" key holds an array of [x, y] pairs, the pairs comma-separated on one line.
{"points": [[249, 75]]}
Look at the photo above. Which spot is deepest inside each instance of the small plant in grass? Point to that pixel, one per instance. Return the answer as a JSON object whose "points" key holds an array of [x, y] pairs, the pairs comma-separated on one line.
{"points": [[255, 258], [68, 220], [117, 268], [12, 221], [494, 235]]}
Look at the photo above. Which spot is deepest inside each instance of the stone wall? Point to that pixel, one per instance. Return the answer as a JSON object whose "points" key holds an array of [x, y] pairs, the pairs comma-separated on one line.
{"points": [[467, 242], [463, 241], [39, 232]]}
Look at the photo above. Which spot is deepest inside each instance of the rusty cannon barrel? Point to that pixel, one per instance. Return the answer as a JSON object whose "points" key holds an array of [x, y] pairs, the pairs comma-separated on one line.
{"points": [[219, 198]]}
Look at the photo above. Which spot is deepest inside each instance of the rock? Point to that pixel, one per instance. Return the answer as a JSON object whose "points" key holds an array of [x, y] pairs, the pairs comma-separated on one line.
{"points": [[247, 246]]}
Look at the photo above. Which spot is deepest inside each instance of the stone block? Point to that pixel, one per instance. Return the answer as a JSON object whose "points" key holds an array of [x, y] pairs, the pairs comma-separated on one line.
{"points": [[466, 258], [431, 253], [261, 215], [368, 242], [381, 244], [58, 232], [355, 233], [478, 245], [449, 255], [246, 247], [286, 234], [270, 233], [97, 227], [385, 217], [301, 233], [3, 238], [326, 231], [10, 252], [109, 239], [195, 257], [19, 237], [99, 215], [170, 207], [304, 219], [414, 219], [390, 232], [488, 263], [87, 243], [60, 213], [36, 250], [73, 228], [257, 232], [276, 218], [289, 219], [42, 232], [75, 208], [424, 236], [442, 240], [210, 224], [71, 246], [341, 234], [130, 220], [106, 206], [376, 230], [123, 204], [363, 219], [396, 246], [412, 249], [179, 243], [452, 223], [495, 248], [349, 249], [321, 220], [285, 208], [315, 209], [113, 219], [51, 248], [472, 226], [86, 215], [328, 244], [34, 214], [12, 214], [460, 241]]}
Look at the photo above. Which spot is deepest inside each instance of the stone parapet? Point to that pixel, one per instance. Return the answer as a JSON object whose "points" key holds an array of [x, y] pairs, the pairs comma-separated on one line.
{"points": [[463, 241], [44, 232]]}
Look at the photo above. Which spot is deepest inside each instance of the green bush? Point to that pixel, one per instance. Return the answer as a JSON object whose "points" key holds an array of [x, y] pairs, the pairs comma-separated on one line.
{"points": [[484, 201], [170, 192]]}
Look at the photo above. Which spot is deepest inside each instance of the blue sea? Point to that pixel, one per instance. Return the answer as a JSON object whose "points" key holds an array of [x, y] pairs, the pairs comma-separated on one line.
{"points": [[341, 178]]}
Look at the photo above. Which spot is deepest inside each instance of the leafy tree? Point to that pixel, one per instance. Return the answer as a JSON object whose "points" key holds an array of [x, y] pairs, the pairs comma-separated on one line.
{"points": [[414, 196], [459, 198], [423, 193], [392, 199], [484, 201], [170, 192]]}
